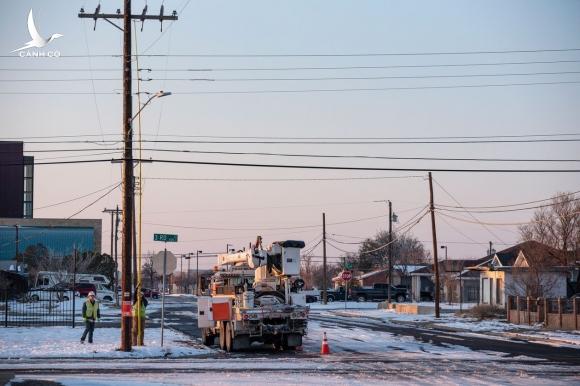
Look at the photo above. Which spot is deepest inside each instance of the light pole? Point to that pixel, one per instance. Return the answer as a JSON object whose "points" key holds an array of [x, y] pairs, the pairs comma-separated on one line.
{"points": [[228, 247], [158, 94], [445, 269], [197, 272], [188, 258], [181, 273]]}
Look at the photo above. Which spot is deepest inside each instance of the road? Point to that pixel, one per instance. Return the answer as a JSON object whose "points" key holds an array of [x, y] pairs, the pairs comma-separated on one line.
{"points": [[363, 351]]}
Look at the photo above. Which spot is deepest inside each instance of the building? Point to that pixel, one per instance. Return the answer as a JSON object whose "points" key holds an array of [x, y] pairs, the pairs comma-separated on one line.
{"points": [[526, 269], [58, 237], [16, 181]]}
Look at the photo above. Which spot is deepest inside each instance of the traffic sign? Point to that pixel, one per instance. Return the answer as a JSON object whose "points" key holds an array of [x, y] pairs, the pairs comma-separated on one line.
{"points": [[346, 275], [157, 261], [165, 237]]}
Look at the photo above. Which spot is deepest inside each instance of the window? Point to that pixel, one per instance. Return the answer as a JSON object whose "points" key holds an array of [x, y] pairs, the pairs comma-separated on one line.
{"points": [[490, 290], [485, 291], [499, 291]]}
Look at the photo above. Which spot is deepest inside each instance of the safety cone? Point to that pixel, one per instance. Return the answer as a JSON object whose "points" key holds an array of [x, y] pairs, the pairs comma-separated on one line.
{"points": [[324, 350]]}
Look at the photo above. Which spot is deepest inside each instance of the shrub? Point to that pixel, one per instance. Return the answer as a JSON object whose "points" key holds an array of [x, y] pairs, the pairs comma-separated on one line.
{"points": [[485, 311]]}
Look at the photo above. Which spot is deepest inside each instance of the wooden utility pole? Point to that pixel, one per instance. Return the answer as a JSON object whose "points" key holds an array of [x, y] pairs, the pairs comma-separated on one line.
{"points": [[127, 181], [324, 284], [390, 249], [435, 260]]}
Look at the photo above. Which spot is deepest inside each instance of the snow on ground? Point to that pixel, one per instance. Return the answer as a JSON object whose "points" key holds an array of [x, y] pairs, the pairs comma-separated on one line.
{"points": [[64, 342], [471, 325]]}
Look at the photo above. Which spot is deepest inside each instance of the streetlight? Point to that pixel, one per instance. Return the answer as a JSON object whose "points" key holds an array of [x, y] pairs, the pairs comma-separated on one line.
{"points": [[197, 272], [158, 94], [188, 258], [228, 247]]}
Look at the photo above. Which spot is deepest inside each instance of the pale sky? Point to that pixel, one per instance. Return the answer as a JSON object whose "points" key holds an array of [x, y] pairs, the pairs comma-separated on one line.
{"points": [[240, 40]]}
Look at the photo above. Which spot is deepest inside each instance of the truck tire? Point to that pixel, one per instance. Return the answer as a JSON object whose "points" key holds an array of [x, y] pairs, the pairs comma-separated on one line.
{"points": [[229, 338], [400, 299], [361, 298], [206, 338], [330, 298], [223, 335]]}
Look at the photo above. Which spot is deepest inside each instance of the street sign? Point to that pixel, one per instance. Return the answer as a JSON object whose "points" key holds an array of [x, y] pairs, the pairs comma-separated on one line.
{"points": [[165, 237], [346, 275], [157, 261]]}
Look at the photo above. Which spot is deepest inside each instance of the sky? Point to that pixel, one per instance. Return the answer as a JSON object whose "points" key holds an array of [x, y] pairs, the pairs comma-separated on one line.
{"points": [[265, 70]]}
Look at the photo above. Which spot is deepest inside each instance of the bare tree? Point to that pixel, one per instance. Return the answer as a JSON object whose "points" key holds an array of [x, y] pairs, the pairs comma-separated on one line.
{"points": [[558, 225], [373, 253]]}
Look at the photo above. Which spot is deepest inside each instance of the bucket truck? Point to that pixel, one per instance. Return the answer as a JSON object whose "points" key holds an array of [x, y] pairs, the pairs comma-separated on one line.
{"points": [[255, 296]]}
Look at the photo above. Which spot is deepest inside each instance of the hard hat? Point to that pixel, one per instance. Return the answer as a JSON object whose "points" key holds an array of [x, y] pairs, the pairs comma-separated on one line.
{"points": [[91, 293]]}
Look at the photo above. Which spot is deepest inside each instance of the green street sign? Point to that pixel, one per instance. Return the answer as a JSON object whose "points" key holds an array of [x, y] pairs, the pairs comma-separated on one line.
{"points": [[165, 237], [348, 265]]}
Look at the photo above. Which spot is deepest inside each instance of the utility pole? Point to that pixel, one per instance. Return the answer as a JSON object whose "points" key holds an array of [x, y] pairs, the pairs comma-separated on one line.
{"points": [[435, 260], [114, 229], [127, 181], [390, 251], [324, 284], [197, 287]]}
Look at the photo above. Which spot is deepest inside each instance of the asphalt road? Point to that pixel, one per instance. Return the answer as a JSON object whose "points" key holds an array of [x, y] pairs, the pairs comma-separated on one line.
{"points": [[181, 311]]}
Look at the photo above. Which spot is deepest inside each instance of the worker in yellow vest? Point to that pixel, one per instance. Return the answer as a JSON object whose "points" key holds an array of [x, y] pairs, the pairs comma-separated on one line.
{"points": [[138, 331], [91, 314]]}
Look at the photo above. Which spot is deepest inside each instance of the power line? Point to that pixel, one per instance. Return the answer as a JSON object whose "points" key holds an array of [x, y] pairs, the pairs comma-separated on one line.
{"points": [[324, 68], [309, 167], [94, 202], [503, 210], [185, 151], [304, 138], [302, 79], [302, 91], [510, 205], [77, 198]]}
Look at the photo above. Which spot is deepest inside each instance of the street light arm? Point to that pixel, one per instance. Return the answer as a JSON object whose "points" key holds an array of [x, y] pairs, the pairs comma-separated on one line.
{"points": [[158, 94]]}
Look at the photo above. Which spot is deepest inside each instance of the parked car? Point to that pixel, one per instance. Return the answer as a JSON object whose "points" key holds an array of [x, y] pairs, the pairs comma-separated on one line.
{"points": [[379, 292], [311, 298], [150, 293], [83, 289], [104, 294], [58, 292]]}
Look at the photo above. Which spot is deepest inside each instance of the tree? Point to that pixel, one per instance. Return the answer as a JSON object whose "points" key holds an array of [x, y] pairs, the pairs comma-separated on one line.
{"points": [[558, 225], [374, 254], [149, 273]]}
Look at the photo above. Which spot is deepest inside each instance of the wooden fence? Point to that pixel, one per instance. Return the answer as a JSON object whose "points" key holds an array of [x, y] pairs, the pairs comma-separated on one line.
{"points": [[560, 313]]}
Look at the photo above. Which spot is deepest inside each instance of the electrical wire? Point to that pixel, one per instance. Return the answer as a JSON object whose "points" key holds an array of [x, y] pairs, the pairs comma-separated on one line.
{"points": [[308, 167], [470, 214], [303, 79], [502, 210], [313, 90], [93, 202], [510, 205], [77, 198]]}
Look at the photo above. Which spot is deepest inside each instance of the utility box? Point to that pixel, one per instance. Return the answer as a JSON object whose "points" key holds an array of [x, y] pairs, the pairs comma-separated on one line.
{"points": [[221, 309], [204, 313]]}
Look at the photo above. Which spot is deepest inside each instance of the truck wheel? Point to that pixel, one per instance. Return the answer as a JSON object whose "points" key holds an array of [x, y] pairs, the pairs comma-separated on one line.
{"points": [[206, 338], [229, 338], [400, 299], [223, 335], [361, 298], [330, 299]]}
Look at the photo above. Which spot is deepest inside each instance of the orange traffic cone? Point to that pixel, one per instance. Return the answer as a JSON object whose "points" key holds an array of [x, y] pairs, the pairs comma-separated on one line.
{"points": [[324, 350]]}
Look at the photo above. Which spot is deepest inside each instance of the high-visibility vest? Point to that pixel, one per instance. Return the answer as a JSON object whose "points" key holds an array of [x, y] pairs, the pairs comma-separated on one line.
{"points": [[92, 309], [140, 313]]}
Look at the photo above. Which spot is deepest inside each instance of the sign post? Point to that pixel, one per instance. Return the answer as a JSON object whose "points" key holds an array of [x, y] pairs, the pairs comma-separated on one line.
{"points": [[165, 238], [346, 276]]}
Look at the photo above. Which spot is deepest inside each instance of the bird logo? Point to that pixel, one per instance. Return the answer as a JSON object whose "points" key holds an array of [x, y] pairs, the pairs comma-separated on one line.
{"points": [[37, 40]]}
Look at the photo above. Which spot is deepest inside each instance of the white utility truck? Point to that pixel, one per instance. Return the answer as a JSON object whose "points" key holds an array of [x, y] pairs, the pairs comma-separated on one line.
{"points": [[255, 296]]}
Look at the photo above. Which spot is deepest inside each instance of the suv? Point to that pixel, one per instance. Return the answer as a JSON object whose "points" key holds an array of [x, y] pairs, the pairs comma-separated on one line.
{"points": [[379, 292], [150, 293], [83, 289]]}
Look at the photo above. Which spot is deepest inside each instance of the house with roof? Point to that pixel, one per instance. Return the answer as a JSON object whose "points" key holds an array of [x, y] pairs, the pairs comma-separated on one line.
{"points": [[526, 269], [458, 282]]}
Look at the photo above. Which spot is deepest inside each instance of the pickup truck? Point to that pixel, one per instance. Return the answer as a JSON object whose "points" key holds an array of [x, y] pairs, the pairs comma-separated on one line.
{"points": [[334, 295], [379, 292]]}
